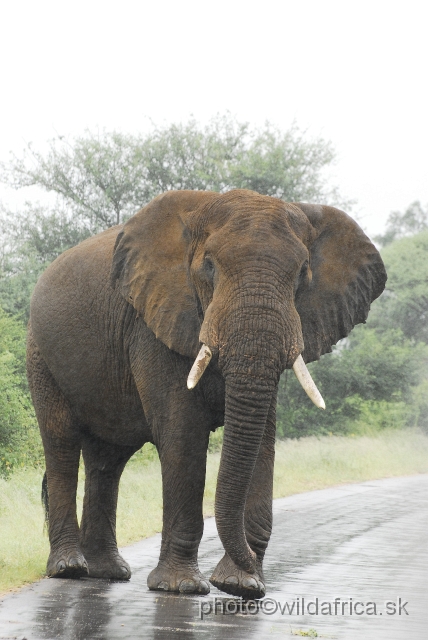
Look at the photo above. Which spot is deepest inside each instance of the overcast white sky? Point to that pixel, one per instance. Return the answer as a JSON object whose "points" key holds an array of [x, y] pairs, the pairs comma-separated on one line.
{"points": [[354, 73]]}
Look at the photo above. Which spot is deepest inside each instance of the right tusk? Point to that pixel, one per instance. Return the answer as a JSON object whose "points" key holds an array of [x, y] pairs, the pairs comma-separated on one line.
{"points": [[304, 377], [201, 363]]}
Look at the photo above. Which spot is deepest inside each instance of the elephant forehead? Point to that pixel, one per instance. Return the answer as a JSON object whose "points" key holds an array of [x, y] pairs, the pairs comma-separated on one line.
{"points": [[257, 220], [256, 238], [241, 208]]}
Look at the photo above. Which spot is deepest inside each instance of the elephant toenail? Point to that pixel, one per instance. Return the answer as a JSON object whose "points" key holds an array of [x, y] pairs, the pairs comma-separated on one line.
{"points": [[232, 580], [187, 586], [61, 565], [249, 583], [73, 562], [204, 587], [163, 585], [124, 572]]}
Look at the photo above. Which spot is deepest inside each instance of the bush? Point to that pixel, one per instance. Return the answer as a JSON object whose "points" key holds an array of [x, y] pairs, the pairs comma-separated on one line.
{"points": [[19, 440], [369, 378], [420, 406]]}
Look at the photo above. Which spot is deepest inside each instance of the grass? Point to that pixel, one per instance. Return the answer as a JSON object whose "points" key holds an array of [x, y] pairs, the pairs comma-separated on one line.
{"points": [[301, 465], [309, 464], [309, 633], [23, 547]]}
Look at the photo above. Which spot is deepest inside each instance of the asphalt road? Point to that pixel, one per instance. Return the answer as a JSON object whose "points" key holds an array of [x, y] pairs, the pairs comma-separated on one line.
{"points": [[366, 542]]}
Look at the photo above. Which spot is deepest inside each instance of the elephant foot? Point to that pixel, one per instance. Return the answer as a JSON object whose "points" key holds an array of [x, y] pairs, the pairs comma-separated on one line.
{"points": [[228, 578], [67, 564], [107, 565], [182, 580]]}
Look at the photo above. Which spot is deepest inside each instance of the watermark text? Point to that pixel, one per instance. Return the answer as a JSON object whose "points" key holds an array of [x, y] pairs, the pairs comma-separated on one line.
{"points": [[302, 607]]}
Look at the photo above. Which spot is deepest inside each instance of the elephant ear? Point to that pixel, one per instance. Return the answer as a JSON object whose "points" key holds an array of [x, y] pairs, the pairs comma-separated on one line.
{"points": [[150, 263], [347, 275]]}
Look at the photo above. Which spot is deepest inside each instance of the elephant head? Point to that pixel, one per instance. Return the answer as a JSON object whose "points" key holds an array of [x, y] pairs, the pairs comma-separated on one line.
{"points": [[259, 283]]}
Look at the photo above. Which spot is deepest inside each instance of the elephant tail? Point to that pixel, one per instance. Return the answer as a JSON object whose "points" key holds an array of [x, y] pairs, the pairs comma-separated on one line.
{"points": [[45, 498]]}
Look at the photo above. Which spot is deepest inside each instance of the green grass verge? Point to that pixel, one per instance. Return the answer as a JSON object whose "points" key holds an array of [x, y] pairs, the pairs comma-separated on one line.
{"points": [[301, 465]]}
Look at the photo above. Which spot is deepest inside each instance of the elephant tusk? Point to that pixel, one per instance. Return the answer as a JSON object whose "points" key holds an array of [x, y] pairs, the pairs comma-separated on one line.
{"points": [[304, 377], [201, 363]]}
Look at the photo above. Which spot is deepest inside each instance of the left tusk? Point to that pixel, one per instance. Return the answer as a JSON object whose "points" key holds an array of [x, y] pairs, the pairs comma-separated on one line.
{"points": [[201, 363], [304, 377]]}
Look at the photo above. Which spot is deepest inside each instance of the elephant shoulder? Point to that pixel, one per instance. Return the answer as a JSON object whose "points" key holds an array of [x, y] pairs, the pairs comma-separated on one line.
{"points": [[78, 274]]}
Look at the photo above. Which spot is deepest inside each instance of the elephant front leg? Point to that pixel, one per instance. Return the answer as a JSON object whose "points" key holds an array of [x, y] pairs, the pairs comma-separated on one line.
{"points": [[104, 464], [258, 523], [182, 452]]}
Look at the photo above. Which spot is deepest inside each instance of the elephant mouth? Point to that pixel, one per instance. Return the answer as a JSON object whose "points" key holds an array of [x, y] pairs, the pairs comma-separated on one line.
{"points": [[299, 367]]}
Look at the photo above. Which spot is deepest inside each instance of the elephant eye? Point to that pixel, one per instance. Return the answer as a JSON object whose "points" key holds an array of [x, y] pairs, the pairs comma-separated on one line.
{"points": [[302, 278], [209, 267], [304, 269]]}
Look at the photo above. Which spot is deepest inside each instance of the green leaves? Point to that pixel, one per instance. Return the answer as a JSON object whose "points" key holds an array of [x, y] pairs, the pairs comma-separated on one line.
{"points": [[105, 178], [401, 225], [284, 165], [404, 303], [32, 239], [17, 419], [367, 373]]}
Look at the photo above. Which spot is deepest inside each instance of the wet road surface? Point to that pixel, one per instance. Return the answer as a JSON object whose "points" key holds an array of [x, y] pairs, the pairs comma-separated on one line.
{"points": [[366, 542]]}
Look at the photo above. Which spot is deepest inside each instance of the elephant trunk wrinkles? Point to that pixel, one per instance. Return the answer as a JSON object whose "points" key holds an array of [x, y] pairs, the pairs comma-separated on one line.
{"points": [[251, 366], [257, 340], [258, 334], [246, 411]]}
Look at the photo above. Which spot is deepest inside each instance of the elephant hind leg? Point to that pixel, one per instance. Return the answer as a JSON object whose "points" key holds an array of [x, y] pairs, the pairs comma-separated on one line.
{"points": [[104, 464], [61, 444]]}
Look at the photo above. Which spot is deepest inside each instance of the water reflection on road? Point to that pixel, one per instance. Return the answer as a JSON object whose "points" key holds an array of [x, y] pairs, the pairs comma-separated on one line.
{"points": [[365, 542]]}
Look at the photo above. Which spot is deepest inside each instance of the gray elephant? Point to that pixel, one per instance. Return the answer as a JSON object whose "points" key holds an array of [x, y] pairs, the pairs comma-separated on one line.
{"points": [[239, 285]]}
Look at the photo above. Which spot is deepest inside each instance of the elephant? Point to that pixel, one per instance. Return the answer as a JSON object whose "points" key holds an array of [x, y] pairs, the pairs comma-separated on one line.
{"points": [[241, 286]]}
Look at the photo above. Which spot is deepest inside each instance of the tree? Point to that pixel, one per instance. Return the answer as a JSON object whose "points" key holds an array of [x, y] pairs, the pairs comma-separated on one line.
{"points": [[96, 177], [30, 241], [368, 371], [404, 303], [102, 179], [286, 166], [105, 178], [401, 225]]}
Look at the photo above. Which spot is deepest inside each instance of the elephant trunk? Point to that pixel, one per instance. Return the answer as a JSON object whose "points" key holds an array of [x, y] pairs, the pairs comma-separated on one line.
{"points": [[246, 412], [254, 353], [258, 338]]}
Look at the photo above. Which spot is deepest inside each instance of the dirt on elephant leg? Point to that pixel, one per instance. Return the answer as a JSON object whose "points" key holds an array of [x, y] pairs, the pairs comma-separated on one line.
{"points": [[228, 578], [178, 579]]}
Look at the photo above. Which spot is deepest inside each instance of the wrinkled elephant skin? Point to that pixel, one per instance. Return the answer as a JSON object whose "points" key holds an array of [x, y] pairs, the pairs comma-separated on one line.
{"points": [[116, 324]]}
